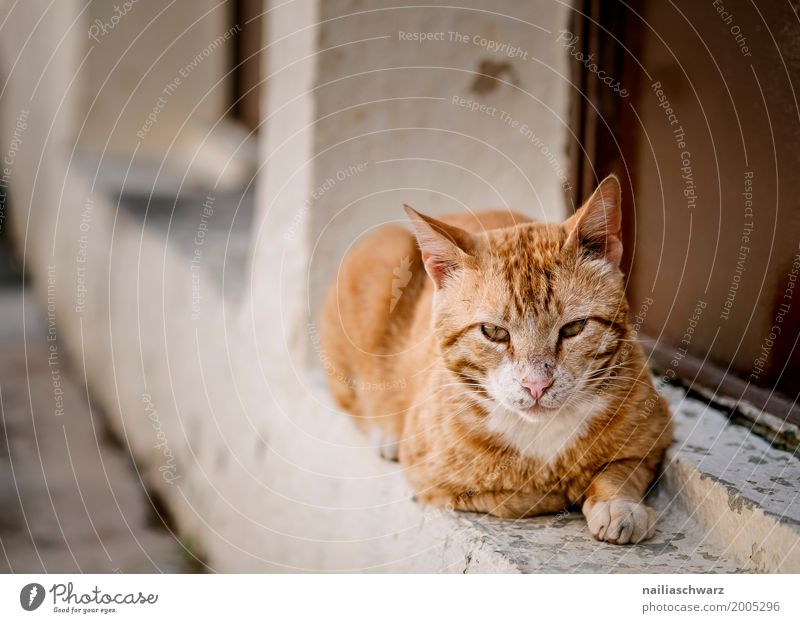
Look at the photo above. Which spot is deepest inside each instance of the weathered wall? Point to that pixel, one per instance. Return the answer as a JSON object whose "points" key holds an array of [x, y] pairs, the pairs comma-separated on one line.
{"points": [[155, 88], [474, 117]]}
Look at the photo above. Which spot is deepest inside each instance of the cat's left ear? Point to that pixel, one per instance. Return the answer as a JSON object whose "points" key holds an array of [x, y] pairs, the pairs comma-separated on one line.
{"points": [[597, 225], [445, 248]]}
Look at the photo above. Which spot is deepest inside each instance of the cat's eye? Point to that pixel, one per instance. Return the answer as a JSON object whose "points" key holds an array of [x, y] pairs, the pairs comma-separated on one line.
{"points": [[495, 333], [571, 329]]}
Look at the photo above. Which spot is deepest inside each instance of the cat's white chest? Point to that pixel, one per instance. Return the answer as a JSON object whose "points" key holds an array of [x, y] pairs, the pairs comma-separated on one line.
{"points": [[541, 439]]}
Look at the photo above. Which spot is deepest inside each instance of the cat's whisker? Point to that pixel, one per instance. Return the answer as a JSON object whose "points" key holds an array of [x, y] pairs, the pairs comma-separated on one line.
{"points": [[627, 379], [598, 371], [460, 385]]}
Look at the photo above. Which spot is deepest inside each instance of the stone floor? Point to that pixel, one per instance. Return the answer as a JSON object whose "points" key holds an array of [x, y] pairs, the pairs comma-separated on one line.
{"points": [[71, 500]]}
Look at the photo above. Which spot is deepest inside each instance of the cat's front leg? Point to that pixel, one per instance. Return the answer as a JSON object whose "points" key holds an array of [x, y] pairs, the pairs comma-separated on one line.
{"points": [[509, 504], [613, 507]]}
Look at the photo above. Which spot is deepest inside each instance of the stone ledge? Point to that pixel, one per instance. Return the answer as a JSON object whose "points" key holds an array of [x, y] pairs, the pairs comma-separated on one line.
{"points": [[224, 246], [686, 541], [736, 485], [325, 501], [277, 480]]}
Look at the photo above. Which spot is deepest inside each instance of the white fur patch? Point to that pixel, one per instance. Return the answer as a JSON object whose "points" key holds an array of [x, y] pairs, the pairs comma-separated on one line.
{"points": [[620, 521], [542, 437]]}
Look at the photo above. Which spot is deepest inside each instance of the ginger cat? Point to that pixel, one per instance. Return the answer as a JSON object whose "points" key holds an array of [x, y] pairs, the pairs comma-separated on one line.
{"points": [[504, 373]]}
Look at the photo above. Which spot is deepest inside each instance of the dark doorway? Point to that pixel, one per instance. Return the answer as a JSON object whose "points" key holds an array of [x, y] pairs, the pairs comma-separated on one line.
{"points": [[706, 144], [247, 14]]}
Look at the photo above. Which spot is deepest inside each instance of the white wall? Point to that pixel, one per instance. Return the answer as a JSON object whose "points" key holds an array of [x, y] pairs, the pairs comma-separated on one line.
{"points": [[138, 53], [388, 99], [373, 125], [270, 477]]}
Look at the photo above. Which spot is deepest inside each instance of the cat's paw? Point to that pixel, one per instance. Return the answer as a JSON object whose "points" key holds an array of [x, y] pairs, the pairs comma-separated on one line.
{"points": [[387, 444], [619, 521]]}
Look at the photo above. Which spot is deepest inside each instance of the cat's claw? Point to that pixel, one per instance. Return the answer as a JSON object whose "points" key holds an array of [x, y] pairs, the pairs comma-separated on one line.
{"points": [[388, 446], [620, 521]]}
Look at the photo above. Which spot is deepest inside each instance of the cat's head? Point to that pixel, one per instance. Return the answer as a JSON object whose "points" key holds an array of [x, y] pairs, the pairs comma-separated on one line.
{"points": [[530, 316]]}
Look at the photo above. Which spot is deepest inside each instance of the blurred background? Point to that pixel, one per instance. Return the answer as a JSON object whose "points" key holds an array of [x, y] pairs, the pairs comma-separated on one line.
{"points": [[181, 179]]}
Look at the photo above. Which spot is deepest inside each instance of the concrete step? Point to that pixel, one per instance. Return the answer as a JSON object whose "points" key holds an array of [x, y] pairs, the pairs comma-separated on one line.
{"points": [[736, 485], [727, 500], [725, 504]]}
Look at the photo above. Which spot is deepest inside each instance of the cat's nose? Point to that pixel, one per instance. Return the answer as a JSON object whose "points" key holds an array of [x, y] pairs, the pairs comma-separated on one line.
{"points": [[537, 386]]}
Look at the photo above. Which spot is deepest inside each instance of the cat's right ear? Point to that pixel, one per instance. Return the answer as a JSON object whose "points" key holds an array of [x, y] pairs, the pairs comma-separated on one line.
{"points": [[597, 225], [445, 248]]}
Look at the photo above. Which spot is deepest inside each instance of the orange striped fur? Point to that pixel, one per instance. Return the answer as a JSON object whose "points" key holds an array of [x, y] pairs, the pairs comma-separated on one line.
{"points": [[494, 355]]}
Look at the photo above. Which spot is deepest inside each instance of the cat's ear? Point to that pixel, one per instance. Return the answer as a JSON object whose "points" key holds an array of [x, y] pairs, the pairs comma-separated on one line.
{"points": [[597, 225], [444, 248]]}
